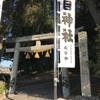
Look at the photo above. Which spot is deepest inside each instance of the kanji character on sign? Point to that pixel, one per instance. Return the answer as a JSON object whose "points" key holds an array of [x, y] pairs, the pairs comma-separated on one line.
{"points": [[67, 19], [67, 35], [67, 4], [66, 58], [65, 52], [65, 48]]}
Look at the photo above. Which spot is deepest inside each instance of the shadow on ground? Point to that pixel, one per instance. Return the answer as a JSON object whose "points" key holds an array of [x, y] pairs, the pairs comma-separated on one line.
{"points": [[41, 87]]}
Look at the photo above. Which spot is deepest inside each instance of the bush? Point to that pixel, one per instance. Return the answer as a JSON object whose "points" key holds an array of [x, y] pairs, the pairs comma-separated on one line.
{"points": [[95, 53], [2, 87]]}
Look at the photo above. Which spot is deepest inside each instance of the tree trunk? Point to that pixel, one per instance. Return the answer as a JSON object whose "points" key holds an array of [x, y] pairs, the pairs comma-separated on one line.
{"points": [[1, 37], [94, 11]]}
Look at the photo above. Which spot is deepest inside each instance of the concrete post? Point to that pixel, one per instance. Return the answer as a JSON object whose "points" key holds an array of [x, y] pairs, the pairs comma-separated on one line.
{"points": [[65, 83], [84, 68], [14, 70]]}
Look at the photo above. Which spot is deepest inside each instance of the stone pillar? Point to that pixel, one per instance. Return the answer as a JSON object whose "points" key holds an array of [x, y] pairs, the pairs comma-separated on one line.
{"points": [[65, 83], [84, 68], [14, 69]]}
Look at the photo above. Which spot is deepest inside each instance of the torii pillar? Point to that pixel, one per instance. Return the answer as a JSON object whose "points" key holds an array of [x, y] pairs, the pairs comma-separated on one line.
{"points": [[84, 67], [13, 78]]}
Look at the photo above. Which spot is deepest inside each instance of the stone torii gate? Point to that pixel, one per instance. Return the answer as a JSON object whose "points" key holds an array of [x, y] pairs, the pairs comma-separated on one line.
{"points": [[84, 69], [37, 48]]}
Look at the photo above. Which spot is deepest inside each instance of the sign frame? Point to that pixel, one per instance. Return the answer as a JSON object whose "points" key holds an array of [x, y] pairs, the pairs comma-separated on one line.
{"points": [[67, 34]]}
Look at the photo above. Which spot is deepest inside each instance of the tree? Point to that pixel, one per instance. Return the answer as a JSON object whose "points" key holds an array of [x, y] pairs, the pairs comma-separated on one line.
{"points": [[33, 17], [94, 7], [6, 22], [28, 17], [24, 18]]}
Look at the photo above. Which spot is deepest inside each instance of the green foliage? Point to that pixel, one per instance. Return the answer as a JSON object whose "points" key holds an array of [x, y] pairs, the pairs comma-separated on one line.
{"points": [[3, 77], [97, 28], [33, 17], [95, 52], [82, 15], [2, 87], [1, 27]]}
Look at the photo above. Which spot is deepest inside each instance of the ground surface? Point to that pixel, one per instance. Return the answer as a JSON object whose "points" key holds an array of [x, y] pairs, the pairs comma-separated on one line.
{"points": [[40, 87]]}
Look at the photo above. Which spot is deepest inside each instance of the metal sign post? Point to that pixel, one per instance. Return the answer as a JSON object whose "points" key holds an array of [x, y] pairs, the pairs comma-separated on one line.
{"points": [[1, 3], [55, 54]]}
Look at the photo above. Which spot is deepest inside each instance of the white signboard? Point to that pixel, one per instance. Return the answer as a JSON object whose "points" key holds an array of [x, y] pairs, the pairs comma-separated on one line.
{"points": [[67, 33], [1, 1]]}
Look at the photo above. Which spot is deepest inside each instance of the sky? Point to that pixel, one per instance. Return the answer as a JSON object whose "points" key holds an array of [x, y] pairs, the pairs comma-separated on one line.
{"points": [[6, 63]]}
